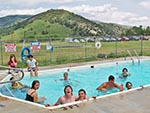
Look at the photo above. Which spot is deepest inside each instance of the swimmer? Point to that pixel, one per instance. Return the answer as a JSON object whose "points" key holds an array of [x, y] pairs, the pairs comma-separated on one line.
{"points": [[68, 97], [32, 95], [128, 85], [15, 84], [110, 84], [125, 72], [66, 79], [82, 95]]}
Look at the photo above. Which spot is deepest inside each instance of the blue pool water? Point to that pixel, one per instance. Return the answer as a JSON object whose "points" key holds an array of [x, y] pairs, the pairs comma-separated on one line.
{"points": [[89, 79]]}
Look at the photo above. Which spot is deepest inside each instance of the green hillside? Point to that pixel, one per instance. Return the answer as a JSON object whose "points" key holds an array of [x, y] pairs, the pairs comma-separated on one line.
{"points": [[59, 23], [12, 19]]}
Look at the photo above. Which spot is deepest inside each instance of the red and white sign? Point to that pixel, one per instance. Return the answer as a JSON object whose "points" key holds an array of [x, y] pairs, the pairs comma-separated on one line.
{"points": [[10, 47], [35, 46]]}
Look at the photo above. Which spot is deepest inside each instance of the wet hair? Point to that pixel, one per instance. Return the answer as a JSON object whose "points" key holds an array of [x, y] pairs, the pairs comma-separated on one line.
{"points": [[124, 69], [92, 66], [82, 90], [111, 77], [65, 73], [67, 87], [30, 56], [34, 82], [128, 83]]}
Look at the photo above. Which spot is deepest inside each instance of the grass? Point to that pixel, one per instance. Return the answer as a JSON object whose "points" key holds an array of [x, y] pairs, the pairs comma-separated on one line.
{"points": [[87, 52]]}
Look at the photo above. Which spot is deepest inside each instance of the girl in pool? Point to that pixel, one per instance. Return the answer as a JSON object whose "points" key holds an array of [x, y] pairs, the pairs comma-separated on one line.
{"points": [[125, 73], [32, 94]]}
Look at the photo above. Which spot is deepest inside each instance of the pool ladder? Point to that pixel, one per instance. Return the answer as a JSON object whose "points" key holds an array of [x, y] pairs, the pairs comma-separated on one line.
{"points": [[130, 56], [137, 56], [17, 77], [135, 52]]}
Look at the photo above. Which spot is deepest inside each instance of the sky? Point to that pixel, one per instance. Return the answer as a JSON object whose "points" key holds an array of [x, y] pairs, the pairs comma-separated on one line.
{"points": [[124, 12]]}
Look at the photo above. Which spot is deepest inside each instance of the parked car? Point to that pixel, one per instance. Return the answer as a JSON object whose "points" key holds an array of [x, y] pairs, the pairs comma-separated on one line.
{"points": [[143, 38], [118, 39], [125, 38], [112, 39], [82, 40], [134, 37], [76, 40]]}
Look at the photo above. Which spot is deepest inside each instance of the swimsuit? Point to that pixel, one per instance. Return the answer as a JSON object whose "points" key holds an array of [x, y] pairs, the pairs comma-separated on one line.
{"points": [[29, 97]]}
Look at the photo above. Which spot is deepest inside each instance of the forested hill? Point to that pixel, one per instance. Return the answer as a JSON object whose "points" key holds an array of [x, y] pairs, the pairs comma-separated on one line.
{"points": [[61, 23]]}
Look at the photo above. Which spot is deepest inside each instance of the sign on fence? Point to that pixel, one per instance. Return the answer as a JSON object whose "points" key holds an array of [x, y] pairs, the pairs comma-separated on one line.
{"points": [[35, 45], [10, 47], [49, 47]]}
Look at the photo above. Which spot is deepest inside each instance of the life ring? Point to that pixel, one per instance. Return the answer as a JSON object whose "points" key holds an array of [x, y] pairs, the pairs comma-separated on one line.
{"points": [[98, 45], [23, 55]]}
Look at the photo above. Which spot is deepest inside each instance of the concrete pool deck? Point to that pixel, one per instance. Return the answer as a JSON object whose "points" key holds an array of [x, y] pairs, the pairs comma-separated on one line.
{"points": [[136, 101]]}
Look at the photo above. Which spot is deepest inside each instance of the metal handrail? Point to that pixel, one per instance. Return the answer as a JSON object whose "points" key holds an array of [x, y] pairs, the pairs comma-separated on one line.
{"points": [[20, 78], [130, 56], [136, 55]]}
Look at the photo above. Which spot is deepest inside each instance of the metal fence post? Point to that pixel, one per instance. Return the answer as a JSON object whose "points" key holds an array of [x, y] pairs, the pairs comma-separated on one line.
{"points": [[116, 48], [141, 46], [1, 52]]}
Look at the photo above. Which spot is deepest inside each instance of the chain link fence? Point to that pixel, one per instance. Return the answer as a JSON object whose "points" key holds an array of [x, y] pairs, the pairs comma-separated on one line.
{"points": [[55, 51]]}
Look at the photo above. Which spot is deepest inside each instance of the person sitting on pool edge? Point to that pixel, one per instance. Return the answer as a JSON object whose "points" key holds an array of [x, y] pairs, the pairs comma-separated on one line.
{"points": [[82, 95], [32, 94], [12, 63], [110, 84], [32, 66]]}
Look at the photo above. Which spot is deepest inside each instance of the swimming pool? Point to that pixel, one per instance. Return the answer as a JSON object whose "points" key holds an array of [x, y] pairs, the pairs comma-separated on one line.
{"points": [[89, 79]]}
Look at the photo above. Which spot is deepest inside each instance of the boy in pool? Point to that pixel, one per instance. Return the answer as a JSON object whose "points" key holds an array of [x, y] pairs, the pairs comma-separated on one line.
{"points": [[82, 95], [67, 98], [66, 79], [17, 85], [110, 84], [128, 85]]}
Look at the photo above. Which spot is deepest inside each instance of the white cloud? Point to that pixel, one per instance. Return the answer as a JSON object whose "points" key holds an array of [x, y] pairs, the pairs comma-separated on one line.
{"points": [[22, 11], [33, 2], [138, 19], [145, 4], [105, 13], [108, 13]]}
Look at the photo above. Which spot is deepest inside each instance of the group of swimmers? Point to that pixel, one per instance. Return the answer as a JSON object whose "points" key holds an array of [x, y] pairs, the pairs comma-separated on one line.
{"points": [[68, 91], [32, 66], [68, 97]]}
